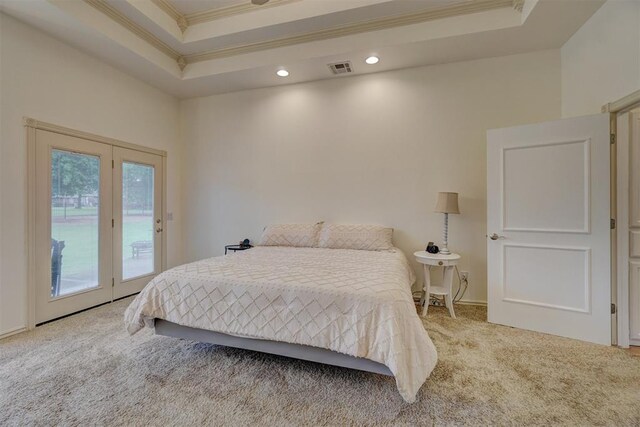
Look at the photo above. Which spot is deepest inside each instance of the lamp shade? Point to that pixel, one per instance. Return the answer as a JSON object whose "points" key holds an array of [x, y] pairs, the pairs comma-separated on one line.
{"points": [[447, 203]]}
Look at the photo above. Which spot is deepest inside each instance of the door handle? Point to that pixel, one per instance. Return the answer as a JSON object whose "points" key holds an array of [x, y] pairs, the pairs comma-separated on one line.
{"points": [[495, 236], [158, 230]]}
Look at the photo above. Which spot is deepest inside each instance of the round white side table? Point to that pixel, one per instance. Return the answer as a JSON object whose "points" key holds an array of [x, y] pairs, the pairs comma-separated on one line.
{"points": [[448, 263]]}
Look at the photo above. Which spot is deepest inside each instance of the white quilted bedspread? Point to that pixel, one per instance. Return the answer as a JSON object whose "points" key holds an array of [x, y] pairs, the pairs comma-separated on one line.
{"points": [[350, 301]]}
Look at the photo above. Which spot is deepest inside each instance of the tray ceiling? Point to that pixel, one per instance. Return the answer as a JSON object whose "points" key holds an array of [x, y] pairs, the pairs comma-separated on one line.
{"points": [[199, 47]]}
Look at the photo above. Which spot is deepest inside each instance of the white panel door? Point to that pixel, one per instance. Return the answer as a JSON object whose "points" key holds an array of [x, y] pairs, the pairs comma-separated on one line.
{"points": [[633, 124], [634, 302], [548, 223], [628, 241], [629, 129]]}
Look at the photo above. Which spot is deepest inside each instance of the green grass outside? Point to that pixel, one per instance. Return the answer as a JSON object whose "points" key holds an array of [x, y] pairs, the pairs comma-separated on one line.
{"points": [[80, 255], [90, 211], [71, 211]]}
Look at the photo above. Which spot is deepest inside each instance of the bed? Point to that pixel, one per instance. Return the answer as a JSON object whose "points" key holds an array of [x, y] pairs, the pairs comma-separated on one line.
{"points": [[344, 307]]}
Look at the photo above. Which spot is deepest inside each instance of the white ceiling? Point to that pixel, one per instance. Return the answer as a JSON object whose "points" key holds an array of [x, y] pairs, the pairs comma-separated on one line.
{"points": [[224, 51]]}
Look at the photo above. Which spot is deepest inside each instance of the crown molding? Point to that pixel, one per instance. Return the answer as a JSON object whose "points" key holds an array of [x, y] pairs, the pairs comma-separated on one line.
{"points": [[357, 28], [127, 23], [468, 7], [182, 62], [518, 5], [168, 8], [174, 13], [243, 6]]}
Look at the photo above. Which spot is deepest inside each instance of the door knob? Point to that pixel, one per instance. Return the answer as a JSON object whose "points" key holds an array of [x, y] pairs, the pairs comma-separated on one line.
{"points": [[158, 230], [494, 236], [158, 221]]}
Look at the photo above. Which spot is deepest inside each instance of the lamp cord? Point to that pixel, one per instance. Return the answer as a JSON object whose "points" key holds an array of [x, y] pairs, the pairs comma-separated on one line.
{"points": [[458, 295], [466, 285], [456, 298]]}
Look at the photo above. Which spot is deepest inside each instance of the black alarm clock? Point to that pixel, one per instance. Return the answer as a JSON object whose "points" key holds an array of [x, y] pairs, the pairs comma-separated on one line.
{"points": [[432, 249]]}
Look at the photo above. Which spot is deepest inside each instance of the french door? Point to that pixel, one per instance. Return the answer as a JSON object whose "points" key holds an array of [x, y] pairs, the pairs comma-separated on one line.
{"points": [[98, 223], [137, 248], [73, 230]]}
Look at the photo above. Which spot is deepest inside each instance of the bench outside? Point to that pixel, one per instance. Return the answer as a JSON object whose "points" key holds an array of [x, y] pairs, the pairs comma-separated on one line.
{"points": [[141, 246]]}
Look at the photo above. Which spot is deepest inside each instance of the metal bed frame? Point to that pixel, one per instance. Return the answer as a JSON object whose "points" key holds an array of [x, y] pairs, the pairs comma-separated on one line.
{"points": [[296, 351]]}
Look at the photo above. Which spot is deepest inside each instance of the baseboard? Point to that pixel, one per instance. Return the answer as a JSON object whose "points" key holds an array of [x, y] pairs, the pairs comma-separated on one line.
{"points": [[10, 332], [470, 302], [417, 296]]}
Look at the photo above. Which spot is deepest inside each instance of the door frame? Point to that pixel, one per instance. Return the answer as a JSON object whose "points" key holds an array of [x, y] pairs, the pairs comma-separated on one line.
{"points": [[619, 212], [31, 125]]}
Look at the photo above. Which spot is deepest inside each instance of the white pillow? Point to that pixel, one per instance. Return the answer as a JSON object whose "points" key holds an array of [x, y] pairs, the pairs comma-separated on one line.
{"points": [[356, 236], [298, 235]]}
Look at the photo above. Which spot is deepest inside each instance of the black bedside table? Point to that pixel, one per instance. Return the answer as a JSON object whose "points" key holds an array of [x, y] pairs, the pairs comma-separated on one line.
{"points": [[235, 248]]}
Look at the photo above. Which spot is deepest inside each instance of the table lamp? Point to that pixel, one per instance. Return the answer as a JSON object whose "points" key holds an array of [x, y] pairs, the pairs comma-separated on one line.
{"points": [[447, 204]]}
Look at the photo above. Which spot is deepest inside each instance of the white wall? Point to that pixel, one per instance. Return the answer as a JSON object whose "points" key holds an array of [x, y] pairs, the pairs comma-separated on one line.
{"points": [[50, 81], [601, 61], [366, 149]]}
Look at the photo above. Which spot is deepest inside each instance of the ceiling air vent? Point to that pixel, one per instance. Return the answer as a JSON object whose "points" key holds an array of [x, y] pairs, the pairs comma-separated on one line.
{"points": [[341, 67]]}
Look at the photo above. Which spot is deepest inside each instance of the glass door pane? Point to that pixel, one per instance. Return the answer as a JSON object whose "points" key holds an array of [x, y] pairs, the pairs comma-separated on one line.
{"points": [[75, 222], [137, 220]]}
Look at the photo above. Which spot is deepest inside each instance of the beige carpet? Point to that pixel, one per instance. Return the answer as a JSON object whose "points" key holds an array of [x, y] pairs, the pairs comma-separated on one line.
{"points": [[85, 370]]}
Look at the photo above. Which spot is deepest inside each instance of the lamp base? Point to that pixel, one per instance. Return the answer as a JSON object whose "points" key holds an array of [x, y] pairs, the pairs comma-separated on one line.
{"points": [[444, 250]]}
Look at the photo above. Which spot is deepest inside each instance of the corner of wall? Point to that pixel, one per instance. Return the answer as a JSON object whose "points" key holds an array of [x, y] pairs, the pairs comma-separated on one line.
{"points": [[600, 63]]}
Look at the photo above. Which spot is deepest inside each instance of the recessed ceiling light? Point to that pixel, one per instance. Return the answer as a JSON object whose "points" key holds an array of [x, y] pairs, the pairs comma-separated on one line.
{"points": [[282, 73], [372, 60]]}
